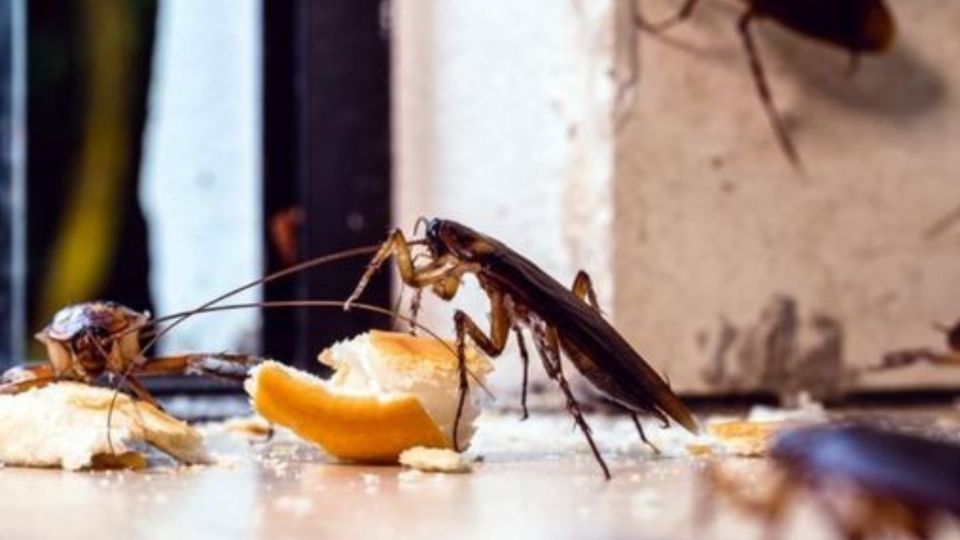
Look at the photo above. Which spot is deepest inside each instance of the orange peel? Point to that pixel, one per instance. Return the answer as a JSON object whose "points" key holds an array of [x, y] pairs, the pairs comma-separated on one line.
{"points": [[390, 392]]}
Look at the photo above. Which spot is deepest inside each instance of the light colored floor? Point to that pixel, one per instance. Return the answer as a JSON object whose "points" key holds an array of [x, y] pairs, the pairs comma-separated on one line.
{"points": [[535, 481]]}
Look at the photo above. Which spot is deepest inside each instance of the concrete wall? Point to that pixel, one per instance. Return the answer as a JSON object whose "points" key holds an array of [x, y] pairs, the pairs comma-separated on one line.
{"points": [[719, 242], [719, 261]]}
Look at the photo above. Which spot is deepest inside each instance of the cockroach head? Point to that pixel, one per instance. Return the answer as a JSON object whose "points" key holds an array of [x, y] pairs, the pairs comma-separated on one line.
{"points": [[449, 237]]}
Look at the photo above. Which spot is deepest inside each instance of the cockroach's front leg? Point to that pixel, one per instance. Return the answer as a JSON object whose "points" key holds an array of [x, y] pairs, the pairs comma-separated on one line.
{"points": [[493, 345], [397, 245], [583, 289], [548, 345]]}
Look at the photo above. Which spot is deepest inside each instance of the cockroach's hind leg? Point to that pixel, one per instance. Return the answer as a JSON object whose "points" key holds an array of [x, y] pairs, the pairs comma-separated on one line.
{"points": [[583, 289], [22, 386], [643, 436], [525, 358], [549, 348], [763, 89], [227, 366]]}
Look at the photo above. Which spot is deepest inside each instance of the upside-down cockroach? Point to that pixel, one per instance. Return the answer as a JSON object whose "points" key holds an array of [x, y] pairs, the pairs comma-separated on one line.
{"points": [[522, 295], [88, 340], [869, 482], [85, 341], [858, 26]]}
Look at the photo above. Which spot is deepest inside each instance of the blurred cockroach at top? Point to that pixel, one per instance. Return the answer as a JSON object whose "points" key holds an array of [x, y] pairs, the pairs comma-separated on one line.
{"points": [[856, 26]]}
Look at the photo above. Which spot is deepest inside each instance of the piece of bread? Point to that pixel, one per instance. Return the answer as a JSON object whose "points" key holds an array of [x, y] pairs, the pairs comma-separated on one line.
{"points": [[65, 425], [390, 392], [434, 460]]}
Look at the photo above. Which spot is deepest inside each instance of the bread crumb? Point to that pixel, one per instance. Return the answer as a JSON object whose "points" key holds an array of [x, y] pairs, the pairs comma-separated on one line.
{"points": [[250, 426], [65, 425], [434, 460]]}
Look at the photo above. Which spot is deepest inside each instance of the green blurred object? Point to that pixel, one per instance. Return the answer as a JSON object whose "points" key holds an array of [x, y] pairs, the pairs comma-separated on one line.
{"points": [[89, 64]]}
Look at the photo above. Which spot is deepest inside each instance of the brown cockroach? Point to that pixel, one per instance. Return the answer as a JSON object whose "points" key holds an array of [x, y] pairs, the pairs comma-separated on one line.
{"points": [[522, 295], [86, 341], [891, 482], [857, 26]]}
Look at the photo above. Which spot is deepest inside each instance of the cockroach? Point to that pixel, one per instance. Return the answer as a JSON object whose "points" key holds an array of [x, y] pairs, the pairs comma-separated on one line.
{"points": [[869, 482], [89, 340], [521, 295], [857, 26], [86, 341]]}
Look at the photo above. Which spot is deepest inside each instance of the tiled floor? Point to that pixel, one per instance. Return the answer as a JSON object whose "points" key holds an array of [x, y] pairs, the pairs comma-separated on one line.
{"points": [[535, 481]]}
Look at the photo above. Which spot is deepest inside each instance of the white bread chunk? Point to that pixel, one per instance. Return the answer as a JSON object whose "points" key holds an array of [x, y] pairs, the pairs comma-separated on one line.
{"points": [[65, 425]]}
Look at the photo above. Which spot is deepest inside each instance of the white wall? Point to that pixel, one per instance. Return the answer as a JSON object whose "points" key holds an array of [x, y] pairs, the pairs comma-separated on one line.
{"points": [[501, 114], [201, 170]]}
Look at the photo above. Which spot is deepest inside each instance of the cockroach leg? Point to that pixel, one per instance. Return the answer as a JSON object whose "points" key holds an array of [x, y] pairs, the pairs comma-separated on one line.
{"points": [[525, 357], [415, 309], [398, 246], [898, 359], [643, 436], [763, 89], [583, 289], [548, 345], [686, 10], [228, 366], [493, 345], [24, 385]]}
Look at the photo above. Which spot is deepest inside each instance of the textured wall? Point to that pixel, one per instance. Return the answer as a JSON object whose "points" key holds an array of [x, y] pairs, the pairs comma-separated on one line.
{"points": [[720, 262], [718, 242]]}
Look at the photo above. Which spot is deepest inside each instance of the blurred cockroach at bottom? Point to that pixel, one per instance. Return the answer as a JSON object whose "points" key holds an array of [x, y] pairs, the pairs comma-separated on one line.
{"points": [[867, 482]]}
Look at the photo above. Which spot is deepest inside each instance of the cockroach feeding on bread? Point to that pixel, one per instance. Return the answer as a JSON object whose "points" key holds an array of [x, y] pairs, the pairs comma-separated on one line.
{"points": [[868, 482], [857, 26], [90, 340], [94, 340], [560, 321]]}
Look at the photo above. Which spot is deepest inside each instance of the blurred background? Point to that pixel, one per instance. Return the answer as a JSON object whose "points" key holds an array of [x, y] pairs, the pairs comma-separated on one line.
{"points": [[177, 149], [160, 152]]}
